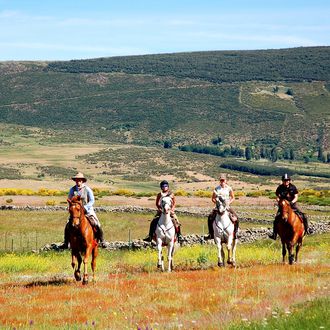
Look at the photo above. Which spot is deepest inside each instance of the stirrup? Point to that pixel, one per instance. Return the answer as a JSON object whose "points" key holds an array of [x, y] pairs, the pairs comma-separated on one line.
{"points": [[103, 244], [63, 246], [272, 236], [147, 239], [308, 231], [207, 237]]}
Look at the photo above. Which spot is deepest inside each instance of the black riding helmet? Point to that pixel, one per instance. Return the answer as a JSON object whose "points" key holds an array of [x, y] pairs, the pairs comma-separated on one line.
{"points": [[286, 177], [164, 183]]}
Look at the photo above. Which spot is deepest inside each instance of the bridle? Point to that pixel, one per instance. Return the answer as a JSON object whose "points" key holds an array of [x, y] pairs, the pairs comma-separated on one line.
{"points": [[283, 205], [164, 203], [221, 202], [78, 206], [166, 211]]}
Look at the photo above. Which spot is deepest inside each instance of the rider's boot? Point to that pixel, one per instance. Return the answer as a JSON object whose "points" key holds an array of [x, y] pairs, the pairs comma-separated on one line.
{"points": [[147, 239], [236, 223], [65, 244], [305, 221], [100, 238], [179, 235], [152, 229], [274, 234], [210, 220]]}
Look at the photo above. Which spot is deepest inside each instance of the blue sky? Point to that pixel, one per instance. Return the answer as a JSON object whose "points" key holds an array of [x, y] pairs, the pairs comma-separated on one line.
{"points": [[66, 29]]}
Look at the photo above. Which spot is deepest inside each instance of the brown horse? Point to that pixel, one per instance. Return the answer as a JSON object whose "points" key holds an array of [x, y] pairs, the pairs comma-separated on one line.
{"points": [[291, 230], [82, 239]]}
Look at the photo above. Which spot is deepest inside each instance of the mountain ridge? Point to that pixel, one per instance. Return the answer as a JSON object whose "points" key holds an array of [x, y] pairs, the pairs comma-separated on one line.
{"points": [[185, 98]]}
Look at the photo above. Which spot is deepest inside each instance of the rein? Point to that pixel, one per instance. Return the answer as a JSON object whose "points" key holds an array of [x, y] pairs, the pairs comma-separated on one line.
{"points": [[220, 227], [166, 230]]}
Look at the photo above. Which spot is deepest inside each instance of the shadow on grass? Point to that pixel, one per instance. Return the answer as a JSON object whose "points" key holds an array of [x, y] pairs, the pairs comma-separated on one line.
{"points": [[30, 282]]}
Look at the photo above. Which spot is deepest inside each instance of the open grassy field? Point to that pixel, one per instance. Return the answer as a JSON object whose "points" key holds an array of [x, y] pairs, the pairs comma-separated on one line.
{"points": [[37, 290]]}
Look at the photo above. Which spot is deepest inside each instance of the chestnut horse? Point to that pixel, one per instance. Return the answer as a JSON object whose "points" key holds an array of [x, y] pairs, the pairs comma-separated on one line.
{"points": [[82, 239], [291, 230]]}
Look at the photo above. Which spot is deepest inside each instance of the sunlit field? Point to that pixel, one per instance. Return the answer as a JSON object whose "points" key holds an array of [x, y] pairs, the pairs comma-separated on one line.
{"points": [[34, 229], [38, 290]]}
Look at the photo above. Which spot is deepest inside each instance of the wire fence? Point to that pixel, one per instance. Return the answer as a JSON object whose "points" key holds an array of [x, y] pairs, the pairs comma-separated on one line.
{"points": [[20, 242]]}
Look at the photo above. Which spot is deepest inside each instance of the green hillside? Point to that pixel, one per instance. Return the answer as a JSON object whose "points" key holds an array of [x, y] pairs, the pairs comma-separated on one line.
{"points": [[245, 97]]}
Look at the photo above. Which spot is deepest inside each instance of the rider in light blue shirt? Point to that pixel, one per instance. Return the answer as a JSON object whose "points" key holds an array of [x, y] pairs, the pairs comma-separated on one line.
{"points": [[87, 196]]}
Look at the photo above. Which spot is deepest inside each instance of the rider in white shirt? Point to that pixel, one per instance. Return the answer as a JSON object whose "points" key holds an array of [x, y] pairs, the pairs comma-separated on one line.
{"points": [[225, 192]]}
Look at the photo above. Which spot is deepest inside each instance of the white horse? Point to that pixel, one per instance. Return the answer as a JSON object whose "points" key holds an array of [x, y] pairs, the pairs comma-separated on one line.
{"points": [[224, 234], [165, 234]]}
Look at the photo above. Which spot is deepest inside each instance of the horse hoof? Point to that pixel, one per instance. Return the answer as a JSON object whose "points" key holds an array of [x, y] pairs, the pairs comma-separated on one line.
{"points": [[221, 264], [77, 276]]}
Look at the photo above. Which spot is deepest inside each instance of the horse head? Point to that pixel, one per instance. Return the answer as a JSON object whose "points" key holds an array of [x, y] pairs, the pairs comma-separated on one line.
{"points": [[221, 205], [76, 210], [285, 208], [166, 204]]}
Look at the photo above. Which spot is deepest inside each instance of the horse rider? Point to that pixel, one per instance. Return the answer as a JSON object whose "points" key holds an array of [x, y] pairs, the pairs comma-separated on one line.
{"points": [[286, 190], [87, 196], [165, 191], [226, 192]]}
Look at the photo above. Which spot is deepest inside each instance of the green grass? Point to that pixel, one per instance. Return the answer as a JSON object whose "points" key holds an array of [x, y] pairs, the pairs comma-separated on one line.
{"points": [[263, 252], [35, 229], [310, 315], [38, 290]]}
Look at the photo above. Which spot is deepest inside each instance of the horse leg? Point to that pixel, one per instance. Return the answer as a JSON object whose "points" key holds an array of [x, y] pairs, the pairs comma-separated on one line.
{"points": [[73, 261], [93, 263], [85, 276], [283, 252], [160, 263], [86, 256], [170, 256], [76, 262], [291, 256], [299, 244], [229, 249], [234, 252], [220, 251]]}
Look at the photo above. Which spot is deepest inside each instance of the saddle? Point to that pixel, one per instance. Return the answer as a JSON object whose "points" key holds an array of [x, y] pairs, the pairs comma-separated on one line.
{"points": [[300, 215]]}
